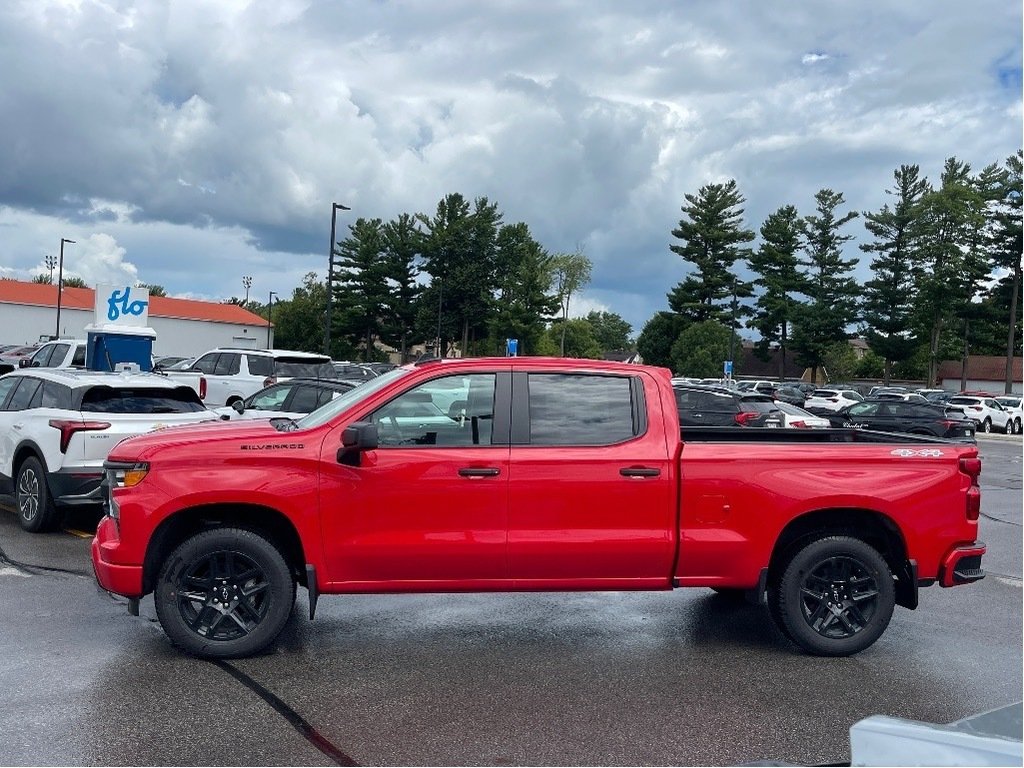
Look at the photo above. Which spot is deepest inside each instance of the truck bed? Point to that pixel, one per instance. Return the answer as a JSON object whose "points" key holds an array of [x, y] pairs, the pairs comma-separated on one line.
{"points": [[839, 435]]}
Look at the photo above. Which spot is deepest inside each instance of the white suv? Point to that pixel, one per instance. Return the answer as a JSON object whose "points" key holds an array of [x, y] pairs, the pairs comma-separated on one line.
{"points": [[58, 425], [234, 374], [831, 399], [985, 411], [1012, 405]]}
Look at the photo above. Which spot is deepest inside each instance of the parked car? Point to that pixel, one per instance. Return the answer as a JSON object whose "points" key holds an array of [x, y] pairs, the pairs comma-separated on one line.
{"points": [[167, 362], [787, 394], [1011, 404], [59, 353], [58, 425], [290, 399], [901, 416], [234, 374], [936, 395], [831, 399], [905, 397], [355, 373], [702, 406], [985, 411], [380, 368], [795, 417], [11, 358]]}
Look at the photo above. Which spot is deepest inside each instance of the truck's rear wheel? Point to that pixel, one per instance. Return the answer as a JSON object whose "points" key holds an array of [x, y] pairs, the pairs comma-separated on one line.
{"points": [[224, 593], [835, 597]]}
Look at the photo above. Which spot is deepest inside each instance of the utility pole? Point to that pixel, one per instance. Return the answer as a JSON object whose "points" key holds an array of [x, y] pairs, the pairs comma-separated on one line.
{"points": [[270, 316], [60, 282], [335, 207]]}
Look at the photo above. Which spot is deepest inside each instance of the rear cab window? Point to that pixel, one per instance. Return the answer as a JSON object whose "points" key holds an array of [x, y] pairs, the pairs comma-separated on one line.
{"points": [[312, 368]]}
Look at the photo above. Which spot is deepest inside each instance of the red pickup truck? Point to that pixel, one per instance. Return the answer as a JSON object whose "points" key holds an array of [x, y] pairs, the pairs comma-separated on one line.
{"points": [[530, 474]]}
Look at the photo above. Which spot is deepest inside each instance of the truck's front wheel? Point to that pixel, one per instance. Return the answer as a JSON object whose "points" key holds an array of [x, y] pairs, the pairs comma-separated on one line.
{"points": [[224, 593], [835, 597]]}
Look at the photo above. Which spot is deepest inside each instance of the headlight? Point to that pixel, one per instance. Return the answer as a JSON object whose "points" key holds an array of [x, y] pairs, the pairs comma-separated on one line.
{"points": [[121, 475]]}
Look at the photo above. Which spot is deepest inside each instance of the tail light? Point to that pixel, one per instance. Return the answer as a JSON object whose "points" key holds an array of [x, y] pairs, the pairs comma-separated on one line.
{"points": [[68, 428], [743, 418], [202, 387], [972, 468], [799, 424], [269, 380]]}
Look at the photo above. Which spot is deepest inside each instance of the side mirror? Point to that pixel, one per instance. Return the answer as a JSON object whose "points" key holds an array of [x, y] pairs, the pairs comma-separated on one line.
{"points": [[239, 407], [24, 362], [356, 438]]}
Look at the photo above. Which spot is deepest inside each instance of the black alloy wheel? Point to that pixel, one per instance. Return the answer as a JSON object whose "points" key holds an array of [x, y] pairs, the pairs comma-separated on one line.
{"points": [[836, 596], [36, 511], [224, 593]]}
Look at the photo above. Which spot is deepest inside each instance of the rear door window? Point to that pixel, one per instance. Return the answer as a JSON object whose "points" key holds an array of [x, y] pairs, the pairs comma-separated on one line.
{"points": [[580, 409], [60, 351], [105, 399], [23, 394], [6, 385], [54, 395], [228, 364]]}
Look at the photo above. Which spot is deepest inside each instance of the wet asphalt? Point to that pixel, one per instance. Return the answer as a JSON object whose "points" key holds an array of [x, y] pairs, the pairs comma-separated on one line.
{"points": [[675, 678]]}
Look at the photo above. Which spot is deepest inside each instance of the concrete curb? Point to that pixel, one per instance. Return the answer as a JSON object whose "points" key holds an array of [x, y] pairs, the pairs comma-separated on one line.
{"points": [[998, 437]]}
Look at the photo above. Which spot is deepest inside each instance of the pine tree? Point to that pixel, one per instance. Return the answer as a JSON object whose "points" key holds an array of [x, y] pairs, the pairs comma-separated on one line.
{"points": [[361, 293], [890, 296], [777, 265], [1006, 243], [830, 285], [403, 243], [525, 303], [951, 218], [713, 238]]}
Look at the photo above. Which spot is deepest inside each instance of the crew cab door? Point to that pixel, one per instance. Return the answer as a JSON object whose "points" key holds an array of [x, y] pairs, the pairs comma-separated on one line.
{"points": [[426, 510], [591, 483]]}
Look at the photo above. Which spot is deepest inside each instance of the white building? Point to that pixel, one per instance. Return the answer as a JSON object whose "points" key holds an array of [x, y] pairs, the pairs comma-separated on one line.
{"points": [[183, 326]]}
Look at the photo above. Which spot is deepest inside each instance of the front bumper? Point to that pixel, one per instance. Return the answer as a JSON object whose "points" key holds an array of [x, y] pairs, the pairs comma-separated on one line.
{"points": [[114, 577], [962, 565]]}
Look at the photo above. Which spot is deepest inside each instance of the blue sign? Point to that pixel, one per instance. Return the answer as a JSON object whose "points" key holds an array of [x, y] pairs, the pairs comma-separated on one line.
{"points": [[120, 304], [728, 368], [511, 347]]}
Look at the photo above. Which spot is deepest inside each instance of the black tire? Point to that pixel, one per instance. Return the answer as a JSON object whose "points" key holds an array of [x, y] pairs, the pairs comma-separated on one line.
{"points": [[1016, 426], [986, 425], [835, 598], [36, 510], [224, 593]]}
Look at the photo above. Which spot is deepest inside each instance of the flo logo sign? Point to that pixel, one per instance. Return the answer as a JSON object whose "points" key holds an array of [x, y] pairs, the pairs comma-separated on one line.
{"points": [[121, 305]]}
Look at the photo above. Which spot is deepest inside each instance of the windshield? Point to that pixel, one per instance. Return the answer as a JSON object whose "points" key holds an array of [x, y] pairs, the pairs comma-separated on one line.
{"points": [[326, 412]]}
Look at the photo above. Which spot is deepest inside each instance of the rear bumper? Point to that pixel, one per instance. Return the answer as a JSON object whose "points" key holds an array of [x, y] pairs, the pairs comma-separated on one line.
{"points": [[114, 577], [76, 488], [962, 565]]}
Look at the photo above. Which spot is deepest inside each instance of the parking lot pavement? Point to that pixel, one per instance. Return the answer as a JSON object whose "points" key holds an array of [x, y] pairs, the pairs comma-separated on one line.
{"points": [[681, 678]]}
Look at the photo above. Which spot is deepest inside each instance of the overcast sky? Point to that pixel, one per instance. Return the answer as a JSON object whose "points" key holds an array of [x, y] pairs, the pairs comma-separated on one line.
{"points": [[190, 143]]}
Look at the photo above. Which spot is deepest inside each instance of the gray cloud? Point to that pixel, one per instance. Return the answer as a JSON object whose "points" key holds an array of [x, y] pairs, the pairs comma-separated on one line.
{"points": [[208, 140]]}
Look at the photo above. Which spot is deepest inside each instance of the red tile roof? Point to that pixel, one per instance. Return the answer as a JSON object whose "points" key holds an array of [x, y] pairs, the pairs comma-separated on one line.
{"points": [[980, 368], [42, 295]]}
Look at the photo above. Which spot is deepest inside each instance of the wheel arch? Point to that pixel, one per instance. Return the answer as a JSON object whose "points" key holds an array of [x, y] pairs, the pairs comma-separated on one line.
{"points": [[270, 523], [23, 451], [870, 526]]}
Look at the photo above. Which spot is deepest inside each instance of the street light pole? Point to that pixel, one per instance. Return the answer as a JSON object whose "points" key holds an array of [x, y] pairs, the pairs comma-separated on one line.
{"points": [[60, 282], [440, 295], [270, 316], [335, 207], [732, 332]]}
